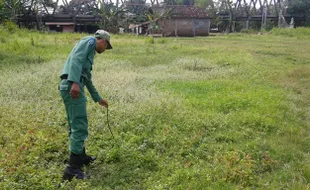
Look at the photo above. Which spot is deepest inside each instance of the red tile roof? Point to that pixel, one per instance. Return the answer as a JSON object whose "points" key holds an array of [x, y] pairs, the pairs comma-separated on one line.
{"points": [[189, 12]]}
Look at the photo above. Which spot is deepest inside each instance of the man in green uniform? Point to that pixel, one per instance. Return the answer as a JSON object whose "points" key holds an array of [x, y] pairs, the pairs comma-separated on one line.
{"points": [[75, 75]]}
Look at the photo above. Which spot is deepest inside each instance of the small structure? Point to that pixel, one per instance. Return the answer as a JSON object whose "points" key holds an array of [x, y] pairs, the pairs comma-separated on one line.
{"points": [[183, 21], [186, 21], [140, 29], [64, 22], [60, 26]]}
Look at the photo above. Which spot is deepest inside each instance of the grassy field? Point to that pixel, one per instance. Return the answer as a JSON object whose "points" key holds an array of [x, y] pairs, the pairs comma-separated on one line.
{"points": [[220, 112]]}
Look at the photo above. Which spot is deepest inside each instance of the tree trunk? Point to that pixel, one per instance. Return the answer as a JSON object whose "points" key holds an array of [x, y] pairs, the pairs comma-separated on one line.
{"points": [[45, 8], [55, 7]]}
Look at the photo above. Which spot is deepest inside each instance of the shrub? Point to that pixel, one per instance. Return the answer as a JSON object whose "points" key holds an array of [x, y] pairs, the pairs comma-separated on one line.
{"points": [[11, 26], [301, 32], [149, 40]]}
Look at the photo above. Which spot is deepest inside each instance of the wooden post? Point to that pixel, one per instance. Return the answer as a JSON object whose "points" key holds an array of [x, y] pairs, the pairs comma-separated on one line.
{"points": [[194, 27], [176, 27], [247, 24], [264, 18], [233, 26]]}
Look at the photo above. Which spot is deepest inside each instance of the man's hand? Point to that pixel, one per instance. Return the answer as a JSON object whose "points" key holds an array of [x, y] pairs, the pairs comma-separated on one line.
{"points": [[104, 103], [75, 90]]}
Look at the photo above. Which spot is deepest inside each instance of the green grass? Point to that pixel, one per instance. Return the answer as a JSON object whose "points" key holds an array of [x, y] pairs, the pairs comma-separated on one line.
{"points": [[221, 112], [301, 32]]}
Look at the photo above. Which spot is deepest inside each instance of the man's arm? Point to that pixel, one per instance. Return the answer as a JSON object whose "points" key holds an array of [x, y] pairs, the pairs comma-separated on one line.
{"points": [[92, 90], [94, 93]]}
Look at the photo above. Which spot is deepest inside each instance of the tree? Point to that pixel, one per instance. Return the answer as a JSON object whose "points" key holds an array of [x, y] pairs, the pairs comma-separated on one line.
{"points": [[136, 11], [4, 13], [109, 13], [179, 2], [170, 2], [188, 2], [136, 6], [79, 7], [299, 7], [208, 4], [11, 8]]}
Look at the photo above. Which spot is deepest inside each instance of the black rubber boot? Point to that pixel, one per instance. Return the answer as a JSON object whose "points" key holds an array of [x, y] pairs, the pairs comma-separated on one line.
{"points": [[87, 159], [74, 168]]}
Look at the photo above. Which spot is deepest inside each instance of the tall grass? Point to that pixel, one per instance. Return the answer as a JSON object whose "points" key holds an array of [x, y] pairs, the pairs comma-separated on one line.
{"points": [[224, 112], [300, 32]]}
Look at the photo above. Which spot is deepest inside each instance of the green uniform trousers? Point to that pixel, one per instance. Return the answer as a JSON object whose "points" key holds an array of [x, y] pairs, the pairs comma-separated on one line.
{"points": [[77, 116]]}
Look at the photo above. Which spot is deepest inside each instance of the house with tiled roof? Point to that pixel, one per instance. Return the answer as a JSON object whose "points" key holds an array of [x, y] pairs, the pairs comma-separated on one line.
{"points": [[182, 21], [186, 21]]}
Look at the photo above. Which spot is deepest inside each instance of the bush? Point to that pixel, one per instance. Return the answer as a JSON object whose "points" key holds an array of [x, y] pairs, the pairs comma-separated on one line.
{"points": [[302, 32], [149, 40], [11, 26], [162, 40]]}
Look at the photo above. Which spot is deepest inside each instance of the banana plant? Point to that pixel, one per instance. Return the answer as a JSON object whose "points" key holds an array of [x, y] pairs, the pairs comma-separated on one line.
{"points": [[12, 8], [111, 16]]}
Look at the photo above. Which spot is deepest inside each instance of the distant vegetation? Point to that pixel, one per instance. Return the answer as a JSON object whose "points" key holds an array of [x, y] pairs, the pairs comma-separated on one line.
{"points": [[121, 13]]}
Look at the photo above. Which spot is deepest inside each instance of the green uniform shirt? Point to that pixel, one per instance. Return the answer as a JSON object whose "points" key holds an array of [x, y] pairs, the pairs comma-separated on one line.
{"points": [[79, 65]]}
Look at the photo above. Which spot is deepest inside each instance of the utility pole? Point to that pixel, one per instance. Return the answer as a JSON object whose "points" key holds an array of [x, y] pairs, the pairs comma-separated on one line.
{"points": [[247, 24], [264, 18]]}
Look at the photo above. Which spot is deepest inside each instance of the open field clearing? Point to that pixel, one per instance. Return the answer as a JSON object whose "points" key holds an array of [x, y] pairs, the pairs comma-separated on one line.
{"points": [[220, 112]]}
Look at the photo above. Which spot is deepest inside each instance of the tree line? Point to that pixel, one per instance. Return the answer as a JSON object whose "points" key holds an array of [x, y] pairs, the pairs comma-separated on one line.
{"points": [[122, 12]]}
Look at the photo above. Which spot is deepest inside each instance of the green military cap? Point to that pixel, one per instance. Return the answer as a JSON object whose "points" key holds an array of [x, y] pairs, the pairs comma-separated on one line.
{"points": [[102, 34]]}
